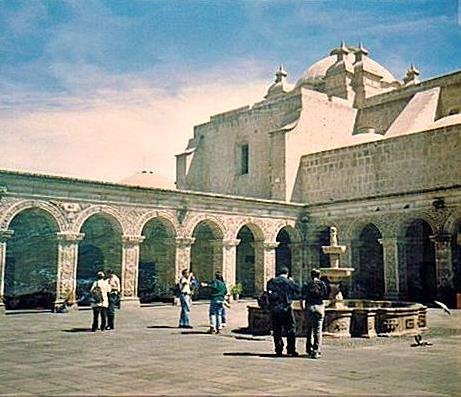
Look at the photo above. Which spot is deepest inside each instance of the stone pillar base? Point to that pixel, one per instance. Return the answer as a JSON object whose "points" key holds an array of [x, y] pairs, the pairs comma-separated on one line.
{"points": [[2, 308], [60, 306], [129, 303]]}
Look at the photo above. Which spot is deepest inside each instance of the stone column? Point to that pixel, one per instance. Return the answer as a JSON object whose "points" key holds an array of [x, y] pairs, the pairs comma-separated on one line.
{"points": [[4, 236], [443, 265], [391, 267], [297, 269], [265, 263], [130, 267], [402, 266], [183, 247], [66, 283], [229, 260]]}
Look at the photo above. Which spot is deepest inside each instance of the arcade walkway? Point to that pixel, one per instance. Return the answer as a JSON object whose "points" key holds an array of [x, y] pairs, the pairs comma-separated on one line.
{"points": [[53, 354]]}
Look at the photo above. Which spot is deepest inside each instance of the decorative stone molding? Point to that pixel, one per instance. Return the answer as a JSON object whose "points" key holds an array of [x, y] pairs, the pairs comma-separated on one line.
{"points": [[230, 243], [268, 246], [130, 240], [182, 242], [11, 208], [5, 235], [122, 222], [143, 218], [70, 237]]}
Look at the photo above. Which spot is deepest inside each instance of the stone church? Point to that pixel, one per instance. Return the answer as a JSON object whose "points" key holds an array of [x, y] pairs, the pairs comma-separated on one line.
{"points": [[258, 187]]}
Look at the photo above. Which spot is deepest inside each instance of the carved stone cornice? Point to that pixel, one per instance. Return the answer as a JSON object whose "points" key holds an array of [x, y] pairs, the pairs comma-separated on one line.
{"points": [[131, 240], [5, 235], [70, 237], [230, 243], [183, 242], [268, 246], [441, 239]]}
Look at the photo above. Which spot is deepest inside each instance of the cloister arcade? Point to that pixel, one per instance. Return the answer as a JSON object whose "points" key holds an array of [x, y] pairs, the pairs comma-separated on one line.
{"points": [[50, 248]]}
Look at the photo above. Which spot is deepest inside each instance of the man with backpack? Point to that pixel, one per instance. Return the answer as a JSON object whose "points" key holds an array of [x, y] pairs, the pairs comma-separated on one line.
{"points": [[281, 291], [313, 294], [99, 292]]}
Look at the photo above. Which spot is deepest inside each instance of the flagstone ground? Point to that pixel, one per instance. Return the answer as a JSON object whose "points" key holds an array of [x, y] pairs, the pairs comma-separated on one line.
{"points": [[55, 354]]}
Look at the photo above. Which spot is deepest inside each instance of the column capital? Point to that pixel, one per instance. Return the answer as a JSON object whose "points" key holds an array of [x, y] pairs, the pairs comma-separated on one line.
{"points": [[5, 235], [70, 237], [131, 239], [270, 245], [388, 240], [231, 243], [182, 242], [443, 238]]}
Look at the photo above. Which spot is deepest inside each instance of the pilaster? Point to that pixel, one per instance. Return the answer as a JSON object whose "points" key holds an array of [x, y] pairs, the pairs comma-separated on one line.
{"points": [[130, 266], [443, 266], [4, 236], [391, 267], [183, 247], [229, 260], [66, 283], [265, 263]]}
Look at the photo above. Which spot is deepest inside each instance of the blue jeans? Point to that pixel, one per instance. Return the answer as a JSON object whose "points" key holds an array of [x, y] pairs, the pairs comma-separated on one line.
{"points": [[315, 315], [216, 308], [184, 319]]}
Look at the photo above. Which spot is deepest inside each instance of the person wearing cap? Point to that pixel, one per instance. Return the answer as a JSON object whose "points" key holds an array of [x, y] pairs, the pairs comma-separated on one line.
{"points": [[100, 290], [114, 297], [218, 295]]}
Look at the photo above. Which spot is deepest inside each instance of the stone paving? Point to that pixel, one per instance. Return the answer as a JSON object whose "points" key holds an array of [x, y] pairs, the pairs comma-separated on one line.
{"points": [[55, 354]]}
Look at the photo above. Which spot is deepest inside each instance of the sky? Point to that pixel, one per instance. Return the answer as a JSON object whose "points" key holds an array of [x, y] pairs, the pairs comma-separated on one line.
{"points": [[104, 89]]}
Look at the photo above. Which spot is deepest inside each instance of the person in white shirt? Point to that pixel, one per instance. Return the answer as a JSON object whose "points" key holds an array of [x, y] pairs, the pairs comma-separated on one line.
{"points": [[114, 298], [185, 292], [100, 290]]}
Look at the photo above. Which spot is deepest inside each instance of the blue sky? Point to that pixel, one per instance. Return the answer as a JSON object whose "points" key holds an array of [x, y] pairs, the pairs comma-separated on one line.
{"points": [[68, 67]]}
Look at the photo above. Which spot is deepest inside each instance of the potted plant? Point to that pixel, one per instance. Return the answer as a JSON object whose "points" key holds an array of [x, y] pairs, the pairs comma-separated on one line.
{"points": [[236, 290]]}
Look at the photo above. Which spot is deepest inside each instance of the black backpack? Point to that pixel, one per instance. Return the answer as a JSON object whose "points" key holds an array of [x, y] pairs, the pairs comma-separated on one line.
{"points": [[316, 290]]}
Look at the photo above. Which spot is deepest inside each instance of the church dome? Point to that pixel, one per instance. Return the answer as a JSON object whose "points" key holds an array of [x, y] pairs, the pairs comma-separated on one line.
{"points": [[318, 70], [149, 179]]}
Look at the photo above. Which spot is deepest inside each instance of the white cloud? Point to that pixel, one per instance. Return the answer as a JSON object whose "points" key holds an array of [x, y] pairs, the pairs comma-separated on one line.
{"points": [[110, 133]]}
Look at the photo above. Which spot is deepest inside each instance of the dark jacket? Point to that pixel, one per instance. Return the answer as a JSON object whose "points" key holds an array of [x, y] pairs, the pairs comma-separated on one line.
{"points": [[314, 292], [282, 291]]}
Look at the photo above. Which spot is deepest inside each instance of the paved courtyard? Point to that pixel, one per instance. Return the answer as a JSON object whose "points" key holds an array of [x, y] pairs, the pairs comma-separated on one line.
{"points": [[55, 354]]}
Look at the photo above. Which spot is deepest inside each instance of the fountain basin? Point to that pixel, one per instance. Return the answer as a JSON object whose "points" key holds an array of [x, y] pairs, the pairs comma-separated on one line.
{"points": [[355, 318]]}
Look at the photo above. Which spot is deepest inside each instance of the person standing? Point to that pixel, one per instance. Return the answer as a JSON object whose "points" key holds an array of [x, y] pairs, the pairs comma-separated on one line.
{"points": [[100, 290], [282, 290], [218, 295], [114, 298], [185, 291], [313, 294]]}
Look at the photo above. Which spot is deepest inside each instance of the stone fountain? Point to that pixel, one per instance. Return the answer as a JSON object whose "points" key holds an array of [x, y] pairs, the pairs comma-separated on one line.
{"points": [[335, 273], [350, 317], [337, 321]]}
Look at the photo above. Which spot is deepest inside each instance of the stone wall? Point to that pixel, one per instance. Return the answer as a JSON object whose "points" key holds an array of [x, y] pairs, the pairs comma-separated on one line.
{"points": [[215, 166], [415, 162]]}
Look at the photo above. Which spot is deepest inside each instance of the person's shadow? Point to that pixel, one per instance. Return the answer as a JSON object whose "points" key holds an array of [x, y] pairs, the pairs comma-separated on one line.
{"points": [[74, 330], [262, 355]]}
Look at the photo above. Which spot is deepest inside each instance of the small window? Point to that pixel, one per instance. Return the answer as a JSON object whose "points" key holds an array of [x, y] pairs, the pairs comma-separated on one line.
{"points": [[244, 162]]}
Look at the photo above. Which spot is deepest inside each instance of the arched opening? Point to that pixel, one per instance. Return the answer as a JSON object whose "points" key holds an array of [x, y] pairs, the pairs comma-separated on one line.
{"points": [[31, 261], [100, 250], [368, 279], [246, 262], [206, 253], [283, 252], [420, 262], [156, 262], [456, 258]]}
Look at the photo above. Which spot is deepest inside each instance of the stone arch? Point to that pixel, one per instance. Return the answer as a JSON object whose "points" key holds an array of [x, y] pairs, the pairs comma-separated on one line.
{"points": [[288, 252], [112, 214], [354, 230], [164, 216], [157, 257], [405, 221], [31, 260], [214, 222], [256, 228], [293, 231], [318, 236], [51, 209], [452, 221]]}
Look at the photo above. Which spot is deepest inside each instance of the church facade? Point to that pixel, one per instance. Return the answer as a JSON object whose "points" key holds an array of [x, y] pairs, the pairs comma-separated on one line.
{"points": [[258, 187]]}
